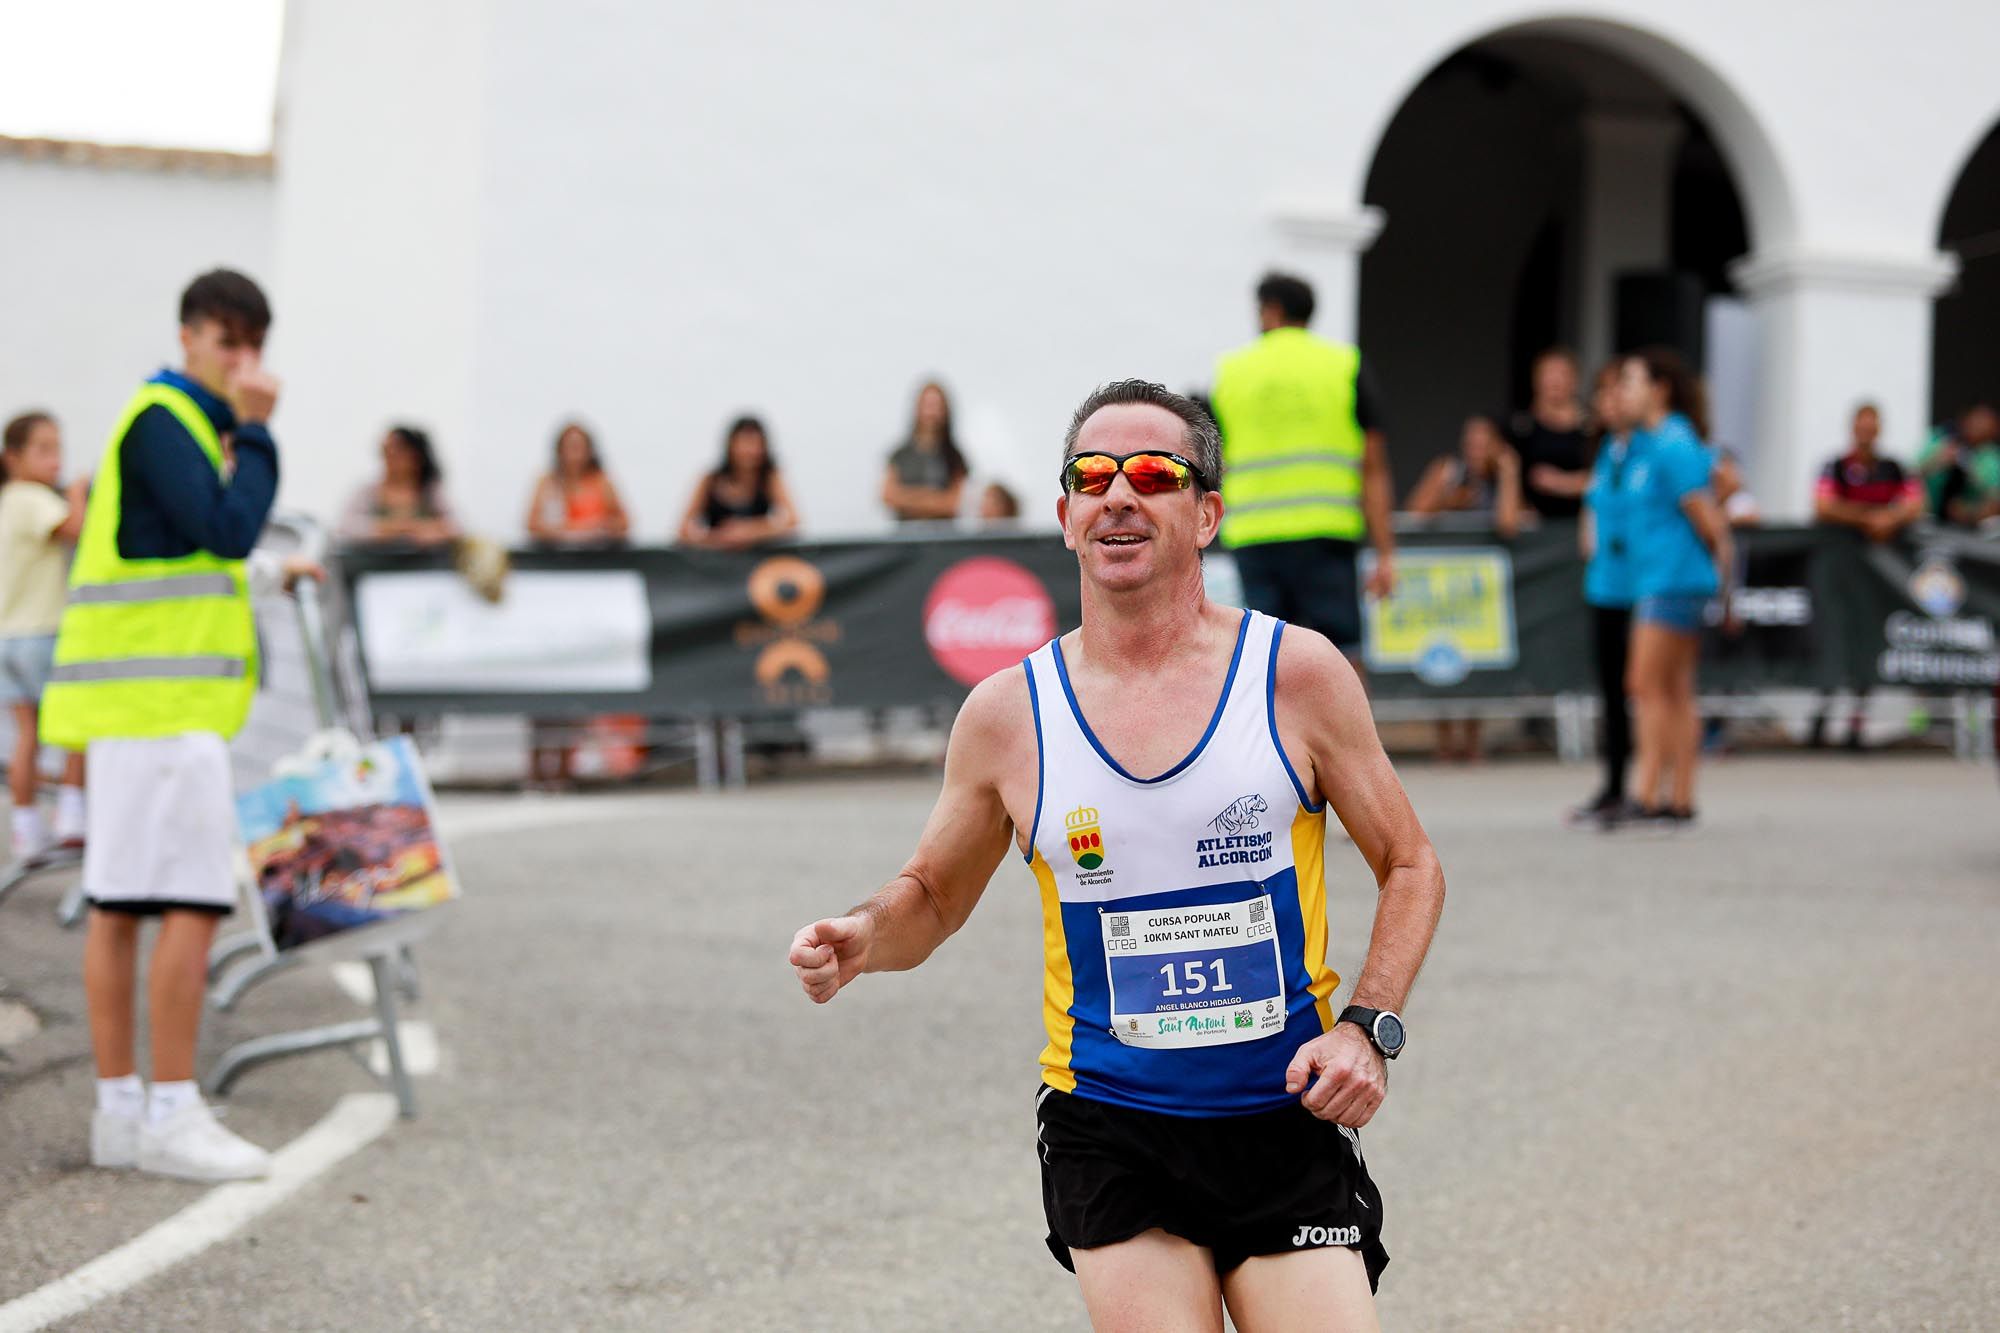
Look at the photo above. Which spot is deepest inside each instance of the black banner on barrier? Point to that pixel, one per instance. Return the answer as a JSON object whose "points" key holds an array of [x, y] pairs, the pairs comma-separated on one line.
{"points": [[915, 621]]}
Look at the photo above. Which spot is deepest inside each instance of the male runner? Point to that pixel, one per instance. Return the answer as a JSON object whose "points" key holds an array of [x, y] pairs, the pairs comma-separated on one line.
{"points": [[1165, 770]]}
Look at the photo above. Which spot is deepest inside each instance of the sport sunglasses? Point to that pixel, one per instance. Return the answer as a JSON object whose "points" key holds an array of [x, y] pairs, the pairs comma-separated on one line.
{"points": [[1150, 473]]}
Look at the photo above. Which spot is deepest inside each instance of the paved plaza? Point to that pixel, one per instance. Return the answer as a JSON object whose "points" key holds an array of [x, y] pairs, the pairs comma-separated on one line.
{"points": [[1742, 1078]]}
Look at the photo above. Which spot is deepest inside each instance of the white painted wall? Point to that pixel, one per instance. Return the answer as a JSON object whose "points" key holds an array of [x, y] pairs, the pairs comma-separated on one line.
{"points": [[92, 263]]}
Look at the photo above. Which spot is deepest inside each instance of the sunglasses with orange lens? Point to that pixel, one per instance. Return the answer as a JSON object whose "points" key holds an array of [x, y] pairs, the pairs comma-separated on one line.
{"points": [[1149, 473]]}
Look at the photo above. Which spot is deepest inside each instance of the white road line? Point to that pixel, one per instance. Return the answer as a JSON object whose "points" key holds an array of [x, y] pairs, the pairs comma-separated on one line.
{"points": [[354, 1121]]}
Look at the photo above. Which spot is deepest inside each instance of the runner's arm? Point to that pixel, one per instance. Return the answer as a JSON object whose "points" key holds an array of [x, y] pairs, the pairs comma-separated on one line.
{"points": [[968, 834]]}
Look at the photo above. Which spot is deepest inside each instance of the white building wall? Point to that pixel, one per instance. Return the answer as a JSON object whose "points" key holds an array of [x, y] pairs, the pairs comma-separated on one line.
{"points": [[92, 262]]}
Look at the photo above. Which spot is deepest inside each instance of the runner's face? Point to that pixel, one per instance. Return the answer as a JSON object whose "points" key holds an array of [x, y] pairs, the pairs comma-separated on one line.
{"points": [[1123, 539]]}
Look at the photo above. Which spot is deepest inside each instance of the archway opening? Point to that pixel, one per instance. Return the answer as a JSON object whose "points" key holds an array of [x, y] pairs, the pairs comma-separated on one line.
{"points": [[1541, 189], [1965, 335]]}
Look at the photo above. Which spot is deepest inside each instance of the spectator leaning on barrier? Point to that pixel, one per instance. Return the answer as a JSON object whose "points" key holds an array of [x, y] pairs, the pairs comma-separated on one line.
{"points": [[744, 501], [1961, 468], [39, 524], [1683, 556], [155, 667], [1551, 439], [574, 503], [1863, 490], [926, 474], [1483, 478], [1305, 469], [407, 506], [1604, 538]]}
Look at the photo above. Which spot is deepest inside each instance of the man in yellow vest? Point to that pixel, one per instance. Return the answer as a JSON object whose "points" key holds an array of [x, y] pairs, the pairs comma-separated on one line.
{"points": [[154, 670], [1305, 470]]}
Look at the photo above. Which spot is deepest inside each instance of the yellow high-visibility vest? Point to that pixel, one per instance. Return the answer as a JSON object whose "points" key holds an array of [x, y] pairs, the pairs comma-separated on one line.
{"points": [[149, 647], [1291, 447]]}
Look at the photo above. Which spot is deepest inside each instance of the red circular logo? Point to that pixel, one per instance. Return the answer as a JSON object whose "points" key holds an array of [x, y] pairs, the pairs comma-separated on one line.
{"points": [[986, 614]]}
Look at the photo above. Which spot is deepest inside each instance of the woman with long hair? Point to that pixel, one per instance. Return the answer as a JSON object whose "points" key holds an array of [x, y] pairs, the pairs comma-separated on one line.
{"points": [[743, 501], [406, 507], [1604, 539], [574, 501], [1683, 556], [926, 473]]}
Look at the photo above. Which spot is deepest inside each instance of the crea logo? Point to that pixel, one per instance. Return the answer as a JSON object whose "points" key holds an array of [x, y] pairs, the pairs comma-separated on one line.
{"points": [[1086, 839], [984, 615]]}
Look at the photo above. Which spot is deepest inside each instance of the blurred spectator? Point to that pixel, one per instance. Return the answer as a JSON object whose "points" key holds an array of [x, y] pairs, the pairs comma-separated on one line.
{"points": [[744, 502], [39, 524], [1484, 478], [926, 474], [1732, 492], [1604, 538], [407, 506], [1552, 440], [997, 504], [1961, 468], [1865, 491], [575, 503]]}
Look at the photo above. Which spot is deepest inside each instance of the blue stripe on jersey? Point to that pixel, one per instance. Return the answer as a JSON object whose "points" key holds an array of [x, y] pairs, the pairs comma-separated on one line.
{"points": [[1214, 721], [1041, 782], [1271, 716], [1236, 1079]]}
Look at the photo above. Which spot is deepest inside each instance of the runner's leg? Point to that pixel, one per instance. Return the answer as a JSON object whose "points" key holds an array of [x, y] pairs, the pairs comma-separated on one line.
{"points": [[1152, 1283], [175, 991], [1318, 1289], [110, 960]]}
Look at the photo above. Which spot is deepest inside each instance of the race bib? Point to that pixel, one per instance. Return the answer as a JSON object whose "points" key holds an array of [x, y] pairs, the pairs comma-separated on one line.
{"points": [[1195, 976]]}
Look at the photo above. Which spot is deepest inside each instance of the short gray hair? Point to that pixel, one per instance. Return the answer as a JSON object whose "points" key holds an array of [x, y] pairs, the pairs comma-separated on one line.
{"points": [[1201, 439]]}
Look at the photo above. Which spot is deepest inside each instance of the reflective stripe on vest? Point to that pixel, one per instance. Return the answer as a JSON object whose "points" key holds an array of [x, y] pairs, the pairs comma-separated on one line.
{"points": [[1292, 449], [149, 647]]}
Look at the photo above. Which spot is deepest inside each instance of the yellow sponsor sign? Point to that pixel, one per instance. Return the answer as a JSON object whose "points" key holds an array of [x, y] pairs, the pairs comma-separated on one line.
{"points": [[1451, 613]]}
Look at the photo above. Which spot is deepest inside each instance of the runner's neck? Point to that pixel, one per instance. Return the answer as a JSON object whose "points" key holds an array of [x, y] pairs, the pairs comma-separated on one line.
{"points": [[1145, 629]]}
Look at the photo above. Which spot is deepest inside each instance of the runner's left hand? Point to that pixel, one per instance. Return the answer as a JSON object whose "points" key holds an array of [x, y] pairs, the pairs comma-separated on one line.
{"points": [[1353, 1076]]}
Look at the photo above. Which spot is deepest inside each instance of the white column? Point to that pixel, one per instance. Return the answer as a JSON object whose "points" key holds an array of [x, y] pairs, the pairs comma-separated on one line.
{"points": [[1628, 177], [1323, 241], [1837, 329]]}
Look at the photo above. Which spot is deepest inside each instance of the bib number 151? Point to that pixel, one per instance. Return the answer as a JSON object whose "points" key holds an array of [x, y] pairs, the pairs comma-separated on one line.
{"points": [[1195, 976]]}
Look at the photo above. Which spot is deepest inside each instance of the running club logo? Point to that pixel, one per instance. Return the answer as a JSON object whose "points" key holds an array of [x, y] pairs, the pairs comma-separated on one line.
{"points": [[1241, 815], [1237, 840], [1086, 839]]}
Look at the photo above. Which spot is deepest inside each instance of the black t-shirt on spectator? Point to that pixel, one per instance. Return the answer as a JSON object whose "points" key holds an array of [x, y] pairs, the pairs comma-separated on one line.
{"points": [[1537, 443]]}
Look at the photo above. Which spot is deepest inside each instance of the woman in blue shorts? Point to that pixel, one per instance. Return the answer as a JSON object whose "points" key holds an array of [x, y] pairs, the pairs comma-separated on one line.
{"points": [[1679, 541]]}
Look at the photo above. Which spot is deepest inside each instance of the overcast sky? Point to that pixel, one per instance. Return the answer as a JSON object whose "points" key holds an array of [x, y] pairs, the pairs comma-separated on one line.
{"points": [[173, 73]]}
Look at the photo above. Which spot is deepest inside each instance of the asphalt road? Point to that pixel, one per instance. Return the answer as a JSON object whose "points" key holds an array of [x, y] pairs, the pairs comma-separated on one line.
{"points": [[1737, 1079]]}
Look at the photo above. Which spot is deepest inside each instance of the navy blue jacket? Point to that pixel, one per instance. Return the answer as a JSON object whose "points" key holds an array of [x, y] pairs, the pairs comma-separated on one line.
{"points": [[174, 501]]}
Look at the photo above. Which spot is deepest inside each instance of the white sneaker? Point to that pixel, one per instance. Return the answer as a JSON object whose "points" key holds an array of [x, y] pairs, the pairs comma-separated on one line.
{"points": [[114, 1140], [192, 1146], [31, 839]]}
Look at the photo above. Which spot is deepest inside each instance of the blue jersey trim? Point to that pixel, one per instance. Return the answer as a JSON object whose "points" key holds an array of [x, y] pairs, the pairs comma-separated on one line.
{"points": [[1271, 716], [1236, 660], [1041, 761]]}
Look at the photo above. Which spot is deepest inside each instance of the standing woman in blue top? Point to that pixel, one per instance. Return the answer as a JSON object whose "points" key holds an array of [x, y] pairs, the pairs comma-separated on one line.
{"points": [[1605, 538], [1679, 541]]}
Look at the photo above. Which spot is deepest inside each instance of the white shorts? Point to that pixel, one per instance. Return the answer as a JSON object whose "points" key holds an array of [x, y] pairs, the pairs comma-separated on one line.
{"points": [[162, 819]]}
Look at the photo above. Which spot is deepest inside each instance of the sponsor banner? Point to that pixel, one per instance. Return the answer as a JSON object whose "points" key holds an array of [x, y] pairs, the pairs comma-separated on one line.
{"points": [[674, 633]]}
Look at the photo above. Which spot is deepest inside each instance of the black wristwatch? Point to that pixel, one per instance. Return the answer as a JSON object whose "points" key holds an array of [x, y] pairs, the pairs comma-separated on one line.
{"points": [[1383, 1026]]}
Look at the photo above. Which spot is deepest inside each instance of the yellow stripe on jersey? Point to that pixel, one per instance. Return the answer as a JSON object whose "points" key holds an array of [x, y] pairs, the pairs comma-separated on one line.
{"points": [[1309, 855], [1058, 985]]}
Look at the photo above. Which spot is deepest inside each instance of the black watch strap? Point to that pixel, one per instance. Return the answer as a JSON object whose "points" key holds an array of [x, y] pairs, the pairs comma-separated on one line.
{"points": [[1365, 1019]]}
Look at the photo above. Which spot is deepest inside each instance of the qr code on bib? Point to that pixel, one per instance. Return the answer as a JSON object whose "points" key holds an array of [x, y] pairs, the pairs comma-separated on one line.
{"points": [[1120, 925], [1257, 909]]}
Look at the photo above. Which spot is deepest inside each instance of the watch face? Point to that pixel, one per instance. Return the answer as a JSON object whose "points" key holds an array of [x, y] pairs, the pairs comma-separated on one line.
{"points": [[1389, 1031]]}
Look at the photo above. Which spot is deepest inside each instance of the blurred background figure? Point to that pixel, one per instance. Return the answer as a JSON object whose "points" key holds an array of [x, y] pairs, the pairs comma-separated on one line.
{"points": [[1482, 478], [1961, 468], [1305, 469], [1684, 556], [407, 506], [39, 525], [1552, 439], [926, 473], [1732, 492], [1604, 537], [997, 504], [1862, 490], [744, 501], [574, 503]]}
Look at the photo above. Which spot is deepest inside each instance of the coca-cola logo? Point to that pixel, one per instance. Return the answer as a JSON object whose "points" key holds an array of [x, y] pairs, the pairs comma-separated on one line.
{"points": [[986, 614]]}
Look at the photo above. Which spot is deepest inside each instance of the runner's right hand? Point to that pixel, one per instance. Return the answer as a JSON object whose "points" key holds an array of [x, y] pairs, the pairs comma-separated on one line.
{"points": [[829, 954]]}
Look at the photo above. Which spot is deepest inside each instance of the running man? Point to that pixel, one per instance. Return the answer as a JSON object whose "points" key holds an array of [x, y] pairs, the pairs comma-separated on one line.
{"points": [[1165, 770]]}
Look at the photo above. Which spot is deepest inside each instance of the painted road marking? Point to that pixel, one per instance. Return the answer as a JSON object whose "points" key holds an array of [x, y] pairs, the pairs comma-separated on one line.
{"points": [[355, 1120]]}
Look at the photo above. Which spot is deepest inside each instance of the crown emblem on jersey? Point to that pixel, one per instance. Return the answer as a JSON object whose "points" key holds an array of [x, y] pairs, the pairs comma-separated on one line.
{"points": [[1086, 839]]}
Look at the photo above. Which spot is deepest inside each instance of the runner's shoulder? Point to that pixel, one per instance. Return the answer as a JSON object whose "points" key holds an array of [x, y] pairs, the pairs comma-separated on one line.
{"points": [[999, 712], [1314, 678]]}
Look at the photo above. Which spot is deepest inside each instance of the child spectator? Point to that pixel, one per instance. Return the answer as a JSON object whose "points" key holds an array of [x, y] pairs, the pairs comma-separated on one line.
{"points": [[38, 526]]}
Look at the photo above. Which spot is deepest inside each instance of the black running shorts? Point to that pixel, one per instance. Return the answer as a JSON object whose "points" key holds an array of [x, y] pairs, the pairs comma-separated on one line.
{"points": [[1241, 1185]]}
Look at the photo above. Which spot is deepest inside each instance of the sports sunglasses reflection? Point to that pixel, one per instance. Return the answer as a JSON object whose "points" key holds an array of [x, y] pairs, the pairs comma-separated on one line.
{"points": [[1151, 472]]}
